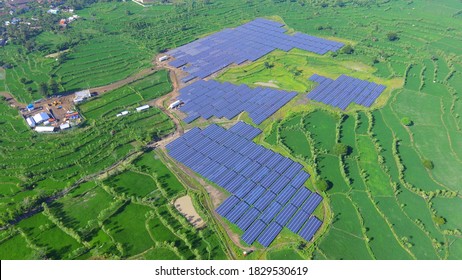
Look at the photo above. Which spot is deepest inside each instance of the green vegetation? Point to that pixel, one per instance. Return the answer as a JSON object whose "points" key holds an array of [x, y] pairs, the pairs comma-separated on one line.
{"points": [[94, 221], [428, 164], [41, 165], [393, 194], [392, 36], [290, 70], [130, 95], [406, 121], [340, 149], [322, 185]]}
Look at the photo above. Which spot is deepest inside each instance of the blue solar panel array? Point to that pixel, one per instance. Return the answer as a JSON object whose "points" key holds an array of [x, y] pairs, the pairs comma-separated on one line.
{"points": [[247, 42], [345, 90], [211, 98], [267, 188]]}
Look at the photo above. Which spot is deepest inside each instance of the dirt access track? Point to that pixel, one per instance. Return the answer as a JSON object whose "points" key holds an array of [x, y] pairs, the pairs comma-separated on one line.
{"points": [[175, 74]]}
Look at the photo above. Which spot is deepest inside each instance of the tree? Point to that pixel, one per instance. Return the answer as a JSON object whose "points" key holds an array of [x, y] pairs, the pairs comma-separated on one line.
{"points": [[322, 185], [439, 220], [2, 98], [340, 149], [392, 36], [340, 3], [428, 164], [268, 65], [348, 49], [23, 80], [62, 58], [406, 121], [54, 87], [43, 89]]}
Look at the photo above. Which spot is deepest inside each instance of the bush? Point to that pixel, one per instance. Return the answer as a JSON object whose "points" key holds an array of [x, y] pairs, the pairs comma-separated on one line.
{"points": [[406, 121], [348, 49], [340, 149], [428, 164], [392, 36], [323, 185], [439, 220]]}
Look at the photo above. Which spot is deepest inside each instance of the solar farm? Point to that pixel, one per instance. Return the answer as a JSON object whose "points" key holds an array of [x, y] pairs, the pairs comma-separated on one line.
{"points": [[210, 98], [344, 144], [344, 90], [247, 42], [267, 188]]}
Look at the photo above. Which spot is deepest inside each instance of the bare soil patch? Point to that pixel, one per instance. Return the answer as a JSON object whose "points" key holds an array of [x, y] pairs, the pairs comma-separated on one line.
{"points": [[185, 206], [267, 84]]}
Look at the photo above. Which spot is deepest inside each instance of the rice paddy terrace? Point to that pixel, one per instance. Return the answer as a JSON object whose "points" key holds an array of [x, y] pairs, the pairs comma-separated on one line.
{"points": [[388, 173]]}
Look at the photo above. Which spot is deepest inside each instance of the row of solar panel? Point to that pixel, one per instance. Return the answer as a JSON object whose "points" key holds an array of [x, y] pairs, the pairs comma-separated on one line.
{"points": [[293, 214], [211, 98], [249, 42], [345, 90], [265, 184]]}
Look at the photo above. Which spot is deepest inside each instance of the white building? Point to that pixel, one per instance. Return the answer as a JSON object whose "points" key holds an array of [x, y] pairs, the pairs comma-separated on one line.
{"points": [[53, 11], [175, 104], [45, 128], [142, 108], [65, 126], [30, 122], [122, 113], [41, 117], [82, 95], [163, 58]]}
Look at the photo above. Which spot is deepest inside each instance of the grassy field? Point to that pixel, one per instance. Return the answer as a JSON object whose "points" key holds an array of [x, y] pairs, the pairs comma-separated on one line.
{"points": [[384, 203], [110, 223], [372, 217]]}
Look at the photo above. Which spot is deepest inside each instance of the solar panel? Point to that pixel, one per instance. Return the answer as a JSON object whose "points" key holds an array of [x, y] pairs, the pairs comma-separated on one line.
{"points": [[248, 218], [311, 203], [210, 54], [344, 90], [259, 193], [270, 233], [286, 214], [264, 201], [300, 197], [255, 194], [297, 221], [270, 212], [285, 195], [227, 205], [253, 232], [310, 228], [236, 213]]}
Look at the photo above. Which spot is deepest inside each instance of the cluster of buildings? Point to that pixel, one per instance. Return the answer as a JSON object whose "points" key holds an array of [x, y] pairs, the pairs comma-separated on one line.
{"points": [[49, 116], [65, 21], [44, 122]]}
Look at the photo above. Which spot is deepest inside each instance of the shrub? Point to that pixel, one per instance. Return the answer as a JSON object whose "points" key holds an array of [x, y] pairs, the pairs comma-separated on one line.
{"points": [[428, 164], [323, 185], [406, 121], [392, 36], [439, 220], [348, 49], [340, 149]]}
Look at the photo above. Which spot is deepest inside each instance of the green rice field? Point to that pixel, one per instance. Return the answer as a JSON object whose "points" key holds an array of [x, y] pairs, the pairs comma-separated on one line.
{"points": [[99, 191]]}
